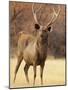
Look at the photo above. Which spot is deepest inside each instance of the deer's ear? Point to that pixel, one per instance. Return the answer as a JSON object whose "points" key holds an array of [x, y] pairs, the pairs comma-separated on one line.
{"points": [[37, 26], [49, 29]]}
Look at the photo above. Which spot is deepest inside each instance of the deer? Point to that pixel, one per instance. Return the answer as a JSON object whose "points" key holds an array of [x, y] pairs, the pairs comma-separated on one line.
{"points": [[33, 49]]}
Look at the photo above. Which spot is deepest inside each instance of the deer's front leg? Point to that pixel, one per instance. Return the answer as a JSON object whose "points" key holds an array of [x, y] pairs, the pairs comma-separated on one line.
{"points": [[26, 71], [34, 68], [41, 72]]}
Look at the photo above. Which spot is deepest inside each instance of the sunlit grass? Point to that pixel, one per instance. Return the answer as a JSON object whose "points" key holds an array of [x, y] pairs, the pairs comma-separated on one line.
{"points": [[54, 73]]}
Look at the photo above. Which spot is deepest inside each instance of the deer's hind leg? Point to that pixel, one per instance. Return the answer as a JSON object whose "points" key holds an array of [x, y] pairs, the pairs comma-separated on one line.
{"points": [[20, 58], [26, 71]]}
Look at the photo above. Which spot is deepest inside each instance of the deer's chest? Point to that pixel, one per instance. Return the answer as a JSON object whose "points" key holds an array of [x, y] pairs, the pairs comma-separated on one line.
{"points": [[41, 55]]}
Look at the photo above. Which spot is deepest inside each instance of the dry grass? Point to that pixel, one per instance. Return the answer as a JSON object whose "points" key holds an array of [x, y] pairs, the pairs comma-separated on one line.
{"points": [[54, 74]]}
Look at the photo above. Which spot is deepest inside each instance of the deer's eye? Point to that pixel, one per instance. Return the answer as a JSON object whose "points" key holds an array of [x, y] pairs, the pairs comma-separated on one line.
{"points": [[49, 28], [37, 26]]}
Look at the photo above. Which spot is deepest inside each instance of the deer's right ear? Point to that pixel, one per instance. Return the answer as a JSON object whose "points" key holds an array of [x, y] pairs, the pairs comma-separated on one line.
{"points": [[37, 26]]}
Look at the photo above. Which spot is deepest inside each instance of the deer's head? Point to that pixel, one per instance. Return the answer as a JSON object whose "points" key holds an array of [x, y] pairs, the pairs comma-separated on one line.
{"points": [[42, 31]]}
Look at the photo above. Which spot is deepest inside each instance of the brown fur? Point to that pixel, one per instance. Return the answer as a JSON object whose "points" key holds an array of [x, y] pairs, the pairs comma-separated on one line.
{"points": [[34, 52], [33, 49]]}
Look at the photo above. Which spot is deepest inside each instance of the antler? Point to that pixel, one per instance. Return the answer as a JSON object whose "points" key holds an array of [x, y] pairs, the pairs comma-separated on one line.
{"points": [[34, 13], [54, 17]]}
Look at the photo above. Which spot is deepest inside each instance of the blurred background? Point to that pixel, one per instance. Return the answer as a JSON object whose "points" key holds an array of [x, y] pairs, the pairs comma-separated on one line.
{"points": [[21, 20]]}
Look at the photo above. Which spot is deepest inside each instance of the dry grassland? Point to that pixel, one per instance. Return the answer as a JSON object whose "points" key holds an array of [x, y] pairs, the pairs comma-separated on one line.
{"points": [[54, 74]]}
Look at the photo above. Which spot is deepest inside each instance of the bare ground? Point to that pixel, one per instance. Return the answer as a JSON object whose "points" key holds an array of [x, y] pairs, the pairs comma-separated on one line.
{"points": [[54, 74]]}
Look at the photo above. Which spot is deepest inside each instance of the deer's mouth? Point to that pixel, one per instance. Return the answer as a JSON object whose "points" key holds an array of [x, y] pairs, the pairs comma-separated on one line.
{"points": [[43, 39]]}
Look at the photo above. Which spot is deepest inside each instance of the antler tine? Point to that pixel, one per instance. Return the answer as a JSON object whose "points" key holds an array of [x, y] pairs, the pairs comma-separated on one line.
{"points": [[34, 13], [56, 14], [38, 9], [54, 17]]}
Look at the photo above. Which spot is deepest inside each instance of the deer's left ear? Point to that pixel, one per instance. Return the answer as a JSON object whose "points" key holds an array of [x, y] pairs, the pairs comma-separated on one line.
{"points": [[49, 29]]}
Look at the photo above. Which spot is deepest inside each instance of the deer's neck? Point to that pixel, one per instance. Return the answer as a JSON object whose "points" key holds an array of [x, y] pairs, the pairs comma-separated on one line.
{"points": [[42, 48], [42, 43]]}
